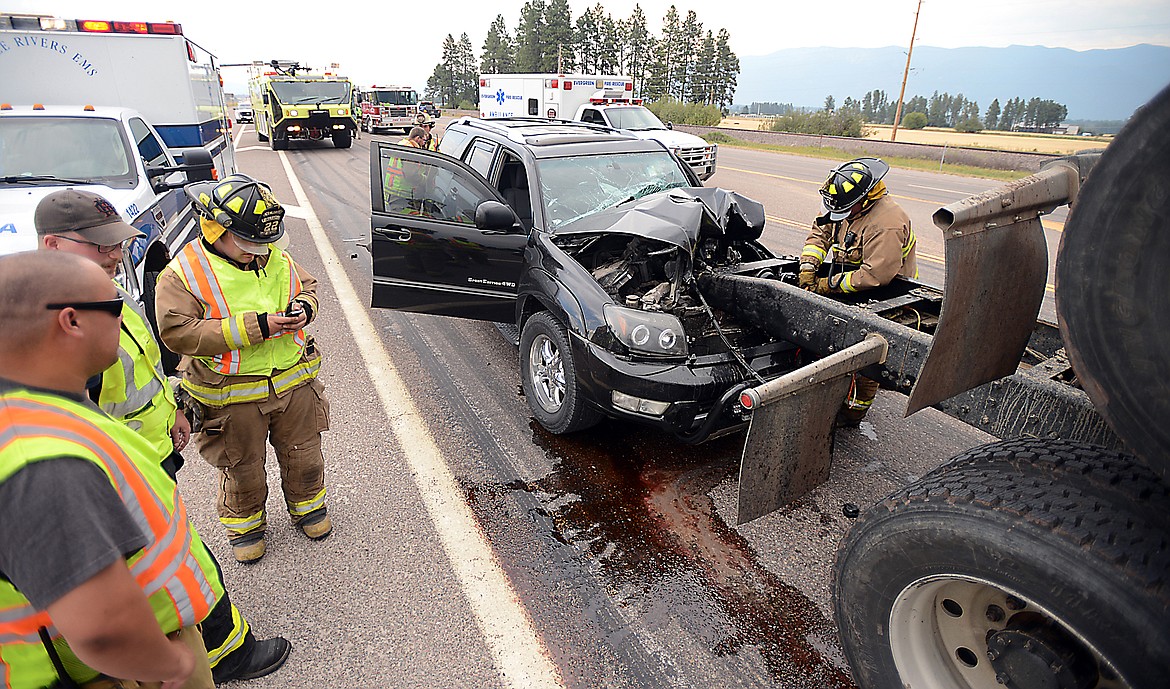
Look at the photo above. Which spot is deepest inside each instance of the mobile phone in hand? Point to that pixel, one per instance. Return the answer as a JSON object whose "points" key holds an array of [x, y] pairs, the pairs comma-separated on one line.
{"points": [[294, 309]]}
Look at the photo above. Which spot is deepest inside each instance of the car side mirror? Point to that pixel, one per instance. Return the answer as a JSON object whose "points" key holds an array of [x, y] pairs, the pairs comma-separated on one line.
{"points": [[196, 164], [670, 125], [493, 216]]}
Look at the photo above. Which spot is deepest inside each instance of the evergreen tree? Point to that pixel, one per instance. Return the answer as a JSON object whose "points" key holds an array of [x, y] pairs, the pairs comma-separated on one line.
{"points": [[498, 51], [588, 39], [991, 119], [726, 73], [529, 38], [702, 87], [557, 38], [467, 81], [691, 39], [830, 104], [665, 76], [449, 70], [640, 44]]}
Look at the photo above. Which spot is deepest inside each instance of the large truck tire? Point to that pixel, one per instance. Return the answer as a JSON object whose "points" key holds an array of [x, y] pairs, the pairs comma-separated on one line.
{"points": [[1014, 565], [343, 139], [279, 142], [1114, 309]]}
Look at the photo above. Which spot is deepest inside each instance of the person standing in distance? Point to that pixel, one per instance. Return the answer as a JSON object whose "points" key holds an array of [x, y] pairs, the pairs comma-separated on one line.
{"points": [[135, 391], [104, 578], [235, 306], [866, 239]]}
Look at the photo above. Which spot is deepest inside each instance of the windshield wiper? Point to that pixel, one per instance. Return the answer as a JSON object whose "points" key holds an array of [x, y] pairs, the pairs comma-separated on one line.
{"points": [[26, 179]]}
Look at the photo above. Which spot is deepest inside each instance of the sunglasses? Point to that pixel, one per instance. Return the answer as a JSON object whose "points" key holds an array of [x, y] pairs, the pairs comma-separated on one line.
{"points": [[102, 248], [110, 306]]}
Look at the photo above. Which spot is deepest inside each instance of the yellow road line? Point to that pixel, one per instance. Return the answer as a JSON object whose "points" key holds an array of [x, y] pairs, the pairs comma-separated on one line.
{"points": [[815, 184], [923, 255]]}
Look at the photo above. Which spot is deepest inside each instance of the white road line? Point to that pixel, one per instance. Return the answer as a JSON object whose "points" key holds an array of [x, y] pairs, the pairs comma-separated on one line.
{"points": [[964, 194], [236, 141], [518, 652]]}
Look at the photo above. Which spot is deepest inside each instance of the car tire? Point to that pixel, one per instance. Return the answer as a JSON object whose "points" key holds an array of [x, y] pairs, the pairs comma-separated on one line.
{"points": [[1026, 563], [549, 377], [343, 139]]}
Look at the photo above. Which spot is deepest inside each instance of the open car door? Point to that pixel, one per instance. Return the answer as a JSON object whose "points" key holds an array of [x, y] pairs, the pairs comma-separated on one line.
{"points": [[443, 241]]}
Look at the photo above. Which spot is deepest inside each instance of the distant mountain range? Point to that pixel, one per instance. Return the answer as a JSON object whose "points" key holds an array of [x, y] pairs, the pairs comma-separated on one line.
{"points": [[1093, 84]]}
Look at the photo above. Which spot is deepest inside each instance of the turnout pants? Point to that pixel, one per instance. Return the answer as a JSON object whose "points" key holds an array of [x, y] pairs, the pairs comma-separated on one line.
{"points": [[233, 441], [862, 392]]}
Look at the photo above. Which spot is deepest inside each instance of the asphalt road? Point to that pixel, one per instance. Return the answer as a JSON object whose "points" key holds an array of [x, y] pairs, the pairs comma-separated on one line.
{"points": [[473, 549]]}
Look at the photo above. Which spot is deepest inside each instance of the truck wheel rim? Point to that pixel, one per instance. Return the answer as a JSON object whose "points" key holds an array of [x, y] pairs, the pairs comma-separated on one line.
{"points": [[959, 632], [547, 373]]}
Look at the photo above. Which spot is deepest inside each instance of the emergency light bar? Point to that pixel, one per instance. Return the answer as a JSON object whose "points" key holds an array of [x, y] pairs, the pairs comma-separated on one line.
{"points": [[102, 26]]}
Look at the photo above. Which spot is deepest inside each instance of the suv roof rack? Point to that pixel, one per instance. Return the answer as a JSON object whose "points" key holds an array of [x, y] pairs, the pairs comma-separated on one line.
{"points": [[539, 131]]}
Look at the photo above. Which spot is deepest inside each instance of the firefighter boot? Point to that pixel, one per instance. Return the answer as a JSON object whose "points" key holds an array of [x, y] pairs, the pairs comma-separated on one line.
{"points": [[264, 658], [317, 525], [249, 548]]}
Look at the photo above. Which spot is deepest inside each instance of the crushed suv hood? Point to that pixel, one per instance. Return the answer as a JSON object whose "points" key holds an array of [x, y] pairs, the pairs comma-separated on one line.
{"points": [[678, 216]]}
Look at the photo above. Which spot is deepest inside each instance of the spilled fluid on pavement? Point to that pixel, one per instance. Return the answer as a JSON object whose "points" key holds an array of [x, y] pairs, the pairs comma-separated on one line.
{"points": [[637, 503]]}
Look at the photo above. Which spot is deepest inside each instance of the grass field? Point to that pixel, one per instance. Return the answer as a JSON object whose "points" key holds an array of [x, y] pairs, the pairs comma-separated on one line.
{"points": [[998, 141]]}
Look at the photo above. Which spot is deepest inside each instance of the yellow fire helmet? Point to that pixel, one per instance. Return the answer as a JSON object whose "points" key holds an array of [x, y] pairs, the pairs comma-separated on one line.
{"points": [[243, 205], [849, 184]]}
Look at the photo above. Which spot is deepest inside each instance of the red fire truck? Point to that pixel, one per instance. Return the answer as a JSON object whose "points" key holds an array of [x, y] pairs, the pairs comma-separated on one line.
{"points": [[388, 107]]}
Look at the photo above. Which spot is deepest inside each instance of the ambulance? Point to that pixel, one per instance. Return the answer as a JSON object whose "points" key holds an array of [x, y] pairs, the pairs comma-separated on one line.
{"points": [[128, 110], [598, 99]]}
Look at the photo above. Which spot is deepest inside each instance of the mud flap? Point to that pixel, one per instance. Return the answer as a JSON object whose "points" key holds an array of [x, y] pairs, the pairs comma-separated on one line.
{"points": [[788, 450], [996, 273]]}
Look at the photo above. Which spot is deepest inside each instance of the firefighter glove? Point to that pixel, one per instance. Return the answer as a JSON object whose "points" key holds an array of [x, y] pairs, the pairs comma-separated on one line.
{"points": [[807, 278], [826, 286]]}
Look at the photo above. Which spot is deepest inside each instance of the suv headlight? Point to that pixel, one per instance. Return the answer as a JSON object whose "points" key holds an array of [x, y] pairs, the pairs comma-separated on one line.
{"points": [[648, 332]]}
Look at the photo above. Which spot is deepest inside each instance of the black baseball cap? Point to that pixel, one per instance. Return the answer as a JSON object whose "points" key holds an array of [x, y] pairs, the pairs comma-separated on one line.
{"points": [[89, 215]]}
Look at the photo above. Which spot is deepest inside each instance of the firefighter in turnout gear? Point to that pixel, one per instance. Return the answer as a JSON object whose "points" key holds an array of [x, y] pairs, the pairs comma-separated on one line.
{"points": [[135, 390], [105, 578], [862, 241], [235, 305]]}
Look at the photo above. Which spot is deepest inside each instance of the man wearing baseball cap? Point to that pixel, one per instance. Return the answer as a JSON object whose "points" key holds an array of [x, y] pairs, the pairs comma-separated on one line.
{"points": [[86, 222], [135, 391]]}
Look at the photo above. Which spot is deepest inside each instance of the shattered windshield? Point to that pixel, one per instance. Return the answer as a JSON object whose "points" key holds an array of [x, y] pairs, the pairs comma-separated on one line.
{"points": [[634, 118], [65, 149], [294, 92], [581, 185]]}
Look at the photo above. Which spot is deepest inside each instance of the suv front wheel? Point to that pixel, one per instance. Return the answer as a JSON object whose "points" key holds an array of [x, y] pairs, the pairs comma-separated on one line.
{"points": [[549, 377]]}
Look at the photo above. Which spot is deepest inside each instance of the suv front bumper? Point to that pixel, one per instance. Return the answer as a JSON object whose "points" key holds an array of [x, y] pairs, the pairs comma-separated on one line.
{"points": [[695, 389]]}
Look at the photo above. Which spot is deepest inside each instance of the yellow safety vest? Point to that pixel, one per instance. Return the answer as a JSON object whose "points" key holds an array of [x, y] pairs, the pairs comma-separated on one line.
{"points": [[135, 389], [228, 293], [173, 570]]}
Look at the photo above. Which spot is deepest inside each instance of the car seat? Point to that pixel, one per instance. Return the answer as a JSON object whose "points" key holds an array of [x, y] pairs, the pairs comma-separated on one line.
{"points": [[514, 188]]}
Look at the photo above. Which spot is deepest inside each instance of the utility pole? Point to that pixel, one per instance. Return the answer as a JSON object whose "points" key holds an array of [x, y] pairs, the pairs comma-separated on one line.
{"points": [[905, 75]]}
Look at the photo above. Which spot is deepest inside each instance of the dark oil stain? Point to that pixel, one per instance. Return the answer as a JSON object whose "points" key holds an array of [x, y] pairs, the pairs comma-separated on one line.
{"points": [[637, 502]]}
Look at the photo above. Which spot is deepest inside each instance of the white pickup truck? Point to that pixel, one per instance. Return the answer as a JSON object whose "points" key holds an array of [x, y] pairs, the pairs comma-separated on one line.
{"points": [[639, 121], [604, 99]]}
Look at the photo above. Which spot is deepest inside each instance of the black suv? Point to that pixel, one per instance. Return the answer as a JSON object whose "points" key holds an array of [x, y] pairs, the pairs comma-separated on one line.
{"points": [[589, 240]]}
